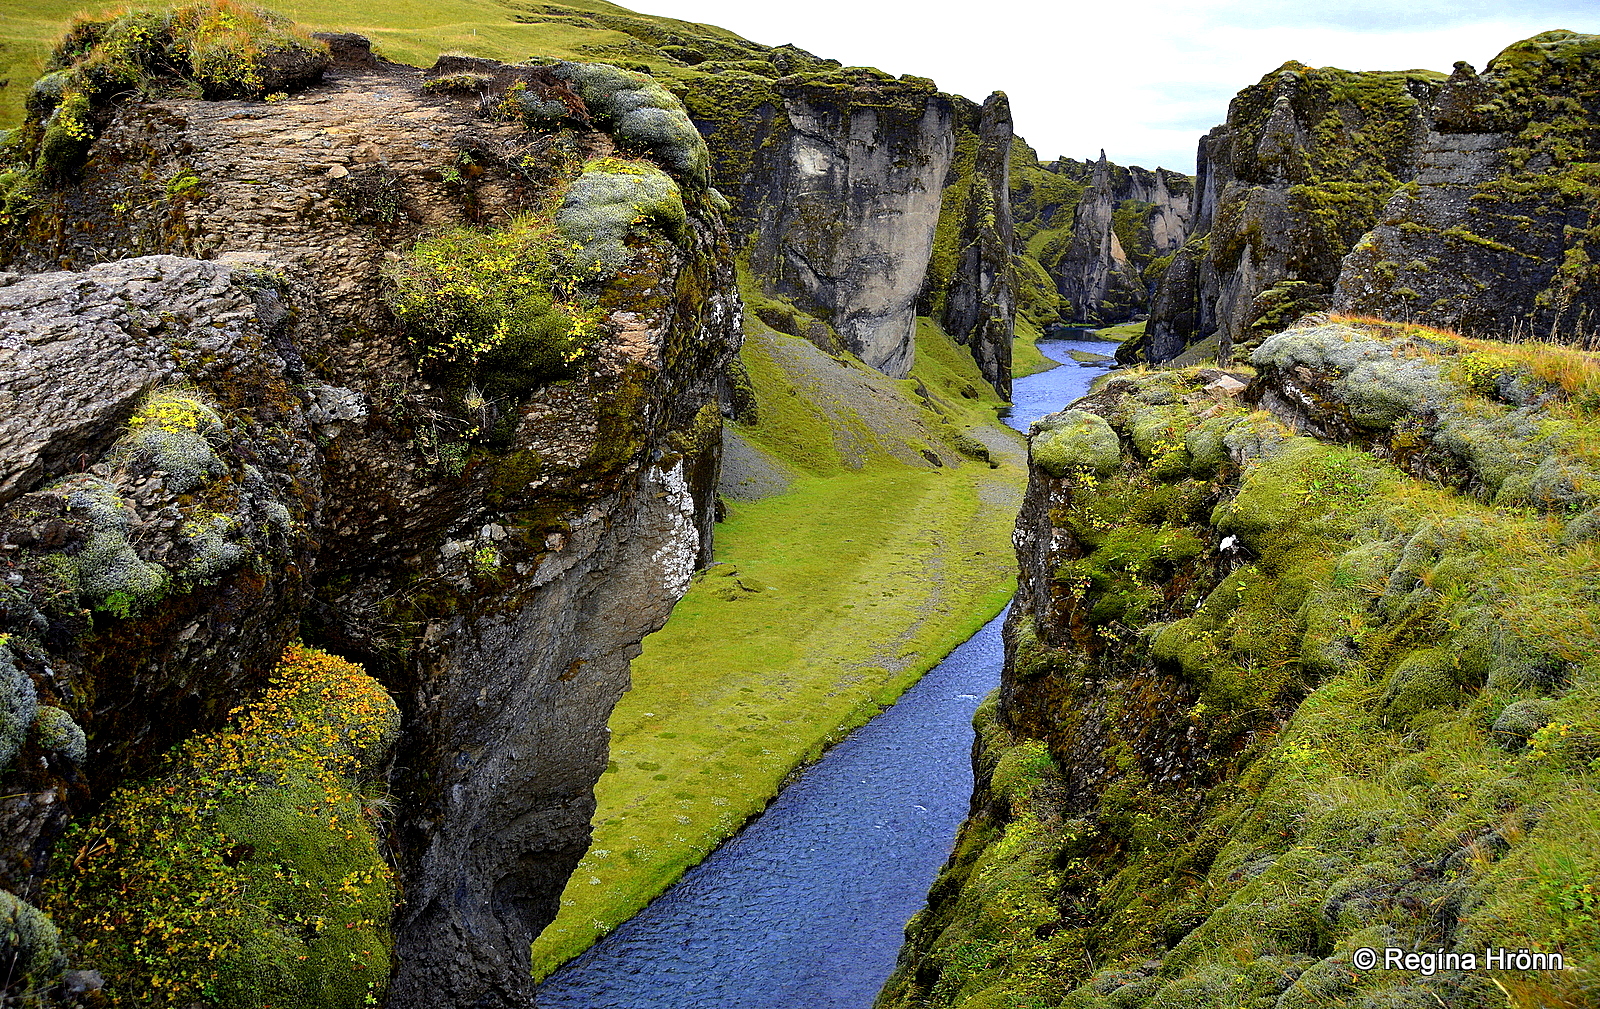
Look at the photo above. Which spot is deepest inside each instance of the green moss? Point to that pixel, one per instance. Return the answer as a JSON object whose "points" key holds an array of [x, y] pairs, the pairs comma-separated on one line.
{"points": [[105, 570], [173, 431], [643, 115], [1393, 686], [222, 50], [249, 875], [33, 947], [611, 198], [58, 733], [1074, 441], [488, 308], [19, 704]]}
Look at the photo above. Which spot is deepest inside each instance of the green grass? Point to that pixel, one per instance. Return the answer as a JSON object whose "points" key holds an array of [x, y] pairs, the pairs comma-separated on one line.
{"points": [[1026, 357], [406, 31], [1120, 332], [826, 602]]}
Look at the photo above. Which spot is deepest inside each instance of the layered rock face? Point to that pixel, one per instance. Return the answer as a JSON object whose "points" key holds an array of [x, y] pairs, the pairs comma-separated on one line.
{"points": [[492, 542], [1285, 188], [1465, 203], [850, 202], [865, 200], [1496, 233], [970, 285], [1299, 656]]}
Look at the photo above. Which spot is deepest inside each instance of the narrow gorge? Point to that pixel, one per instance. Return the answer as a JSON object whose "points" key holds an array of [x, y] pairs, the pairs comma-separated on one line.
{"points": [[447, 491]]}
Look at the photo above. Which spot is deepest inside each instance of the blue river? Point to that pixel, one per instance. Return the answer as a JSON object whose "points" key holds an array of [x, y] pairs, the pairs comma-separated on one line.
{"points": [[805, 906]]}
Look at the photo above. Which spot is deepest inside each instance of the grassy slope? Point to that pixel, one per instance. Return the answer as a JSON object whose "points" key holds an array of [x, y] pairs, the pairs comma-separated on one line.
{"points": [[824, 604], [1026, 358], [408, 31]]}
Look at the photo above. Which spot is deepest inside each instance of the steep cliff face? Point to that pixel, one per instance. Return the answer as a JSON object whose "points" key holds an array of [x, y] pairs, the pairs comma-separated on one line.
{"points": [[1101, 232], [851, 199], [1298, 173], [860, 192], [852, 194], [970, 285], [489, 499], [1301, 662], [1496, 234]]}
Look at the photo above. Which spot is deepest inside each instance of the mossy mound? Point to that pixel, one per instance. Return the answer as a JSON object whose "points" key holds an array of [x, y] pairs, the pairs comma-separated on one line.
{"points": [[643, 114], [609, 200], [1508, 423], [249, 874], [1074, 441]]}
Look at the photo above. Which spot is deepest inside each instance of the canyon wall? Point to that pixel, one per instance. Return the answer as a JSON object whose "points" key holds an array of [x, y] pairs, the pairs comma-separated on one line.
{"points": [[1301, 662], [1286, 187], [489, 519], [864, 200], [1496, 232], [1463, 202], [1103, 233]]}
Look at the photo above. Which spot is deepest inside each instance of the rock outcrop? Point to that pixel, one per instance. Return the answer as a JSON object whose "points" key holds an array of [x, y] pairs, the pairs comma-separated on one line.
{"points": [[970, 285], [850, 202], [490, 528], [1103, 233], [865, 200], [1285, 188], [1463, 202], [1299, 657], [1496, 234]]}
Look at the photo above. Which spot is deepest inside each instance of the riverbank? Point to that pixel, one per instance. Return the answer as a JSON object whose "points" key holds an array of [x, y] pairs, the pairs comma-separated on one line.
{"points": [[1026, 357], [826, 602]]}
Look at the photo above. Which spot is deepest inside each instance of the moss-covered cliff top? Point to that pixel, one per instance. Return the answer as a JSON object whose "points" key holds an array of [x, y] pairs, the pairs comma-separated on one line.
{"points": [[1292, 678]]}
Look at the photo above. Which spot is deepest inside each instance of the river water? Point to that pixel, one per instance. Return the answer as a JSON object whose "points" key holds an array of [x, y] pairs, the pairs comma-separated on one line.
{"points": [[805, 907]]}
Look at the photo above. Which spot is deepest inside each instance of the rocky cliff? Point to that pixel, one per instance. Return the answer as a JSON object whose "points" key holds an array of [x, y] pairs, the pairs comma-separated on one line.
{"points": [[1285, 188], [865, 200], [1464, 202], [289, 391], [1302, 662], [1496, 232], [1101, 232], [970, 285]]}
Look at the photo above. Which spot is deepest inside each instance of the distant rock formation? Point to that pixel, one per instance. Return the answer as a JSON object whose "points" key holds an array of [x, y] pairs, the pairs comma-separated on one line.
{"points": [[1498, 234], [1466, 202], [1286, 187], [856, 193]]}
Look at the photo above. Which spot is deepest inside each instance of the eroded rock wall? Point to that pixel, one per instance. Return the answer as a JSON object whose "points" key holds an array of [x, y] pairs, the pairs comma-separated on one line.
{"points": [[1285, 188], [493, 559], [1495, 236], [1103, 233]]}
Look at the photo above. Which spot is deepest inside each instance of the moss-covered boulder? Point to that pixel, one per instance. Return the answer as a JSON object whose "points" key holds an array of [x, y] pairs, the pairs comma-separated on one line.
{"points": [[1074, 441]]}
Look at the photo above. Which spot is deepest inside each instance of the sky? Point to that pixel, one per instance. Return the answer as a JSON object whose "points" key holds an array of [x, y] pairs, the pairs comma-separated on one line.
{"points": [[1144, 79]]}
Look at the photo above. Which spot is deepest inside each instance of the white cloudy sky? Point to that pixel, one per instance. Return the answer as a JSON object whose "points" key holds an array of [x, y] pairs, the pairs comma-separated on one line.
{"points": [[1143, 79]]}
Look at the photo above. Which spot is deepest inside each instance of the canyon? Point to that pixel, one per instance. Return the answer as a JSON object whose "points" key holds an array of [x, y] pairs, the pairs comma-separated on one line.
{"points": [[362, 421]]}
